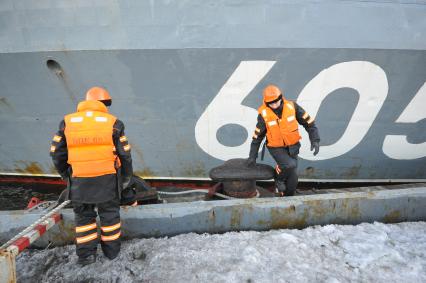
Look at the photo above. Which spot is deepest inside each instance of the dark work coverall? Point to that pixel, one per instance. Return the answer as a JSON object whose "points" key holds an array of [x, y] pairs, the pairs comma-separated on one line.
{"points": [[101, 192], [286, 157]]}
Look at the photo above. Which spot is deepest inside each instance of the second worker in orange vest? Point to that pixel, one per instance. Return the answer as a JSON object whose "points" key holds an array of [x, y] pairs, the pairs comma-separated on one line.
{"points": [[92, 153], [279, 121]]}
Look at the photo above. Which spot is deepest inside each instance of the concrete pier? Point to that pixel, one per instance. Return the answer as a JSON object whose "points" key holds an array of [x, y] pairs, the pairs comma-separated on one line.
{"points": [[405, 203]]}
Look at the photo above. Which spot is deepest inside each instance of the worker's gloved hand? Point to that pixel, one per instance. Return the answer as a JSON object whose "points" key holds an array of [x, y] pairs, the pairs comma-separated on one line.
{"points": [[128, 196], [315, 145], [65, 174], [251, 162], [127, 181]]}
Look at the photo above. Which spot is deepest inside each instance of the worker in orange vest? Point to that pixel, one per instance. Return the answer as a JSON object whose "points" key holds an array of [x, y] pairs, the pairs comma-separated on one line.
{"points": [[92, 153], [278, 120]]}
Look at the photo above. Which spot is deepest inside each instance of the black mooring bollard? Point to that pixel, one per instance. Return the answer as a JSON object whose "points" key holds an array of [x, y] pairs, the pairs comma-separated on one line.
{"points": [[238, 179]]}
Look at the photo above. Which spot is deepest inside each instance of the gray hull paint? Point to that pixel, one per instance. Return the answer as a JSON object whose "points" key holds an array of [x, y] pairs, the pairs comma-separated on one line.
{"points": [[166, 62], [161, 94], [30, 26]]}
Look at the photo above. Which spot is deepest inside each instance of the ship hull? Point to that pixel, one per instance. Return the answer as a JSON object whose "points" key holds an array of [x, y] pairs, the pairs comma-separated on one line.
{"points": [[186, 79]]}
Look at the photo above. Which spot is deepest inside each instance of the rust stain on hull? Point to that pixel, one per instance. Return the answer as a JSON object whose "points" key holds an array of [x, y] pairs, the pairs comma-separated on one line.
{"points": [[28, 167], [352, 172], [145, 173], [56, 68], [52, 169], [139, 152], [194, 170]]}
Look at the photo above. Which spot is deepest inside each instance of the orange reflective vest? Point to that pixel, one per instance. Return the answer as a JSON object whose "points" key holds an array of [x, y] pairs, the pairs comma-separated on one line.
{"points": [[88, 132], [284, 131]]}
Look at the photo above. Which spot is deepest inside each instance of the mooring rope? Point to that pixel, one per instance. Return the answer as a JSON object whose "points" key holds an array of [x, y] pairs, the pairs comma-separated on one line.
{"points": [[204, 191], [29, 228], [45, 205]]}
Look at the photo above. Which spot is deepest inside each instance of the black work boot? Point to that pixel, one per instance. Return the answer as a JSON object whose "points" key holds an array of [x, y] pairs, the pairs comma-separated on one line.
{"points": [[82, 261], [112, 256], [279, 188]]}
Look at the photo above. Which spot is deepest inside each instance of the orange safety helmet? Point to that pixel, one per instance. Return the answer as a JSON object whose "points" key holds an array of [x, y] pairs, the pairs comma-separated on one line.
{"points": [[98, 93], [271, 93]]}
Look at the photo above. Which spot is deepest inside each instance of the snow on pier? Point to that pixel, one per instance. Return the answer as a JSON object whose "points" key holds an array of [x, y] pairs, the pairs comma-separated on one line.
{"points": [[333, 253]]}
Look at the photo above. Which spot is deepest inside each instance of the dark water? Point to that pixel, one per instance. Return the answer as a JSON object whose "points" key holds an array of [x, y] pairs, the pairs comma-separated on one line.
{"points": [[15, 197]]}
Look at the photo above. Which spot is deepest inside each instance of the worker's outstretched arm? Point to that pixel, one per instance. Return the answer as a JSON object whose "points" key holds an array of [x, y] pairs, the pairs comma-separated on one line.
{"points": [[308, 122], [59, 152], [122, 147], [257, 138]]}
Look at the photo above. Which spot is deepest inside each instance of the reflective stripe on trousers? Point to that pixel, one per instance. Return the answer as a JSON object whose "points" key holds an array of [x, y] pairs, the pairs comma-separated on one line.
{"points": [[87, 236]]}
